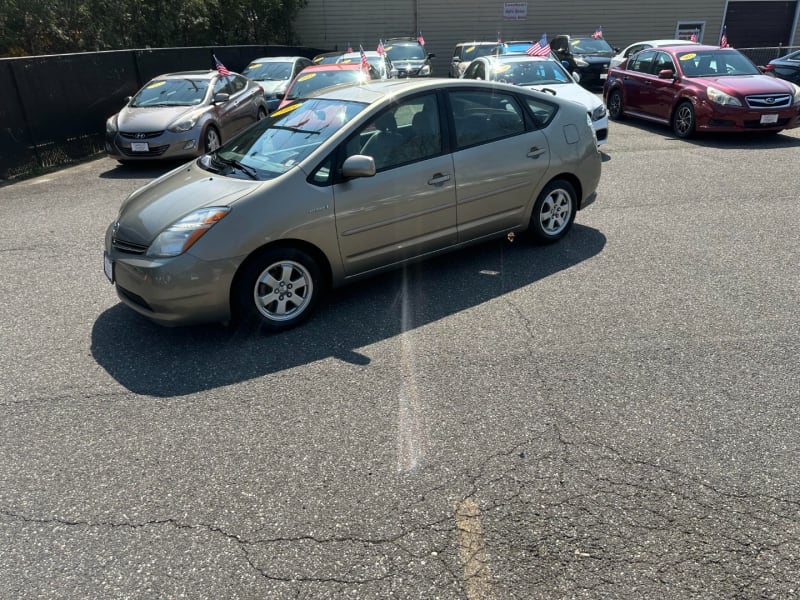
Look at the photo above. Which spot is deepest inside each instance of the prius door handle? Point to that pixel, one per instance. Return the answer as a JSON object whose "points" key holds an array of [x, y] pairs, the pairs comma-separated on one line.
{"points": [[438, 179], [536, 152]]}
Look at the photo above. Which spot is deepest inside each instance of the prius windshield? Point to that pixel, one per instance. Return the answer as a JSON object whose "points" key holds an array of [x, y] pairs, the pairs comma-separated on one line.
{"points": [[283, 140]]}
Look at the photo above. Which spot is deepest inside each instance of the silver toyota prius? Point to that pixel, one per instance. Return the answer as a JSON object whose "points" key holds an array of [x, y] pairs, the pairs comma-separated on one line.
{"points": [[344, 184]]}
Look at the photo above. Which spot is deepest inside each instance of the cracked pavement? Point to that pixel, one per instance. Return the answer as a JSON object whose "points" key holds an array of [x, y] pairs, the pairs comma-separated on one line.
{"points": [[614, 416]]}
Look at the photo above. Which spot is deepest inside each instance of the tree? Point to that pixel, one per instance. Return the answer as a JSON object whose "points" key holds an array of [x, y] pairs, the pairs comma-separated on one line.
{"points": [[33, 27]]}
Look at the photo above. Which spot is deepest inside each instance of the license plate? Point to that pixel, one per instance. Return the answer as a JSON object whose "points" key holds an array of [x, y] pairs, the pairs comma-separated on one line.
{"points": [[140, 147], [769, 119], [108, 267], [603, 75]]}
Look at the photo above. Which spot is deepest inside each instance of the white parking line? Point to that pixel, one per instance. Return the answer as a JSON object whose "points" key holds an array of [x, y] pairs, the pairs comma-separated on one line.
{"points": [[409, 430]]}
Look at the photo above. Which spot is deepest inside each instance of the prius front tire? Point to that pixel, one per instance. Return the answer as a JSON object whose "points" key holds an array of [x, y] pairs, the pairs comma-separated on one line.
{"points": [[277, 289]]}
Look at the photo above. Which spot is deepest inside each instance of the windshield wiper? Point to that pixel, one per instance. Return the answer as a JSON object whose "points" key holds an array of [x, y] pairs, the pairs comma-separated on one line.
{"points": [[232, 162], [296, 129]]}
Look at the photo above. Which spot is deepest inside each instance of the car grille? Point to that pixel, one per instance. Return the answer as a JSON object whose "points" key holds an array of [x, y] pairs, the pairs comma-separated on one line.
{"points": [[407, 73], [768, 101], [129, 247], [596, 69], [139, 135], [154, 151]]}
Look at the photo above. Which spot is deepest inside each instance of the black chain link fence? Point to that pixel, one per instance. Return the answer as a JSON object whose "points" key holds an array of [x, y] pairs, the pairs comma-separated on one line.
{"points": [[761, 56], [53, 109]]}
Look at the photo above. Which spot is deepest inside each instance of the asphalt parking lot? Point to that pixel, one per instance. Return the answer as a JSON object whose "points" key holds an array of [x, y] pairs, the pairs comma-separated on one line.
{"points": [[614, 416]]}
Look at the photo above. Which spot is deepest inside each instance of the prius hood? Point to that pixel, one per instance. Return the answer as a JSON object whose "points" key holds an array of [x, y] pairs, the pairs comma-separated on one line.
{"points": [[149, 210], [150, 119]]}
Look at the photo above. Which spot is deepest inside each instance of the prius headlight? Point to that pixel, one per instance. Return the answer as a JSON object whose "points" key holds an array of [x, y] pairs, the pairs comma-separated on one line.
{"points": [[181, 235]]}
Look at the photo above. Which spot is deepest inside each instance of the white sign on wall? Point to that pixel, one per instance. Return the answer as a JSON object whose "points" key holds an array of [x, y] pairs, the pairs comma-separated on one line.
{"points": [[515, 10]]}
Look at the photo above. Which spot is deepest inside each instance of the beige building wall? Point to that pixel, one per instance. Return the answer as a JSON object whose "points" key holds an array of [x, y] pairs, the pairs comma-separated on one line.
{"points": [[335, 23]]}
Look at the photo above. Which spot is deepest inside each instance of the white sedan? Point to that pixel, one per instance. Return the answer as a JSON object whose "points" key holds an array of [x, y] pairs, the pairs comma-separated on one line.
{"points": [[629, 51], [544, 74]]}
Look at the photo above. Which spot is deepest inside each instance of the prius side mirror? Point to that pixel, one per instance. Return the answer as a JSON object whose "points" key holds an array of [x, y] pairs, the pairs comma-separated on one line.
{"points": [[358, 165], [221, 97]]}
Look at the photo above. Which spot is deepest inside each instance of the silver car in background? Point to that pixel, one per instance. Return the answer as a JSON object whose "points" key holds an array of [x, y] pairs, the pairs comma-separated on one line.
{"points": [[632, 49], [379, 60], [273, 74], [464, 53], [181, 115], [344, 184]]}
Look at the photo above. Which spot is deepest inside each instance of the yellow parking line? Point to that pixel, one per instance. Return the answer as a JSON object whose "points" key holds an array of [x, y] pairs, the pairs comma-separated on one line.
{"points": [[472, 550]]}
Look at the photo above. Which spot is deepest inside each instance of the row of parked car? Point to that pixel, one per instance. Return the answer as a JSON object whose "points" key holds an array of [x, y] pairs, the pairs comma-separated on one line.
{"points": [[179, 115], [587, 58], [187, 114], [686, 85]]}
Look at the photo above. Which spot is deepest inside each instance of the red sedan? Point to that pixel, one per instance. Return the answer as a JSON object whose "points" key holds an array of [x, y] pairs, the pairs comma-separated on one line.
{"points": [[701, 88]]}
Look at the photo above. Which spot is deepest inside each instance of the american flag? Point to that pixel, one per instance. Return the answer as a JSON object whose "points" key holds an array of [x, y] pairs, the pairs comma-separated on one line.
{"points": [[364, 61], [222, 69], [540, 48], [420, 39], [723, 40], [598, 33], [693, 37], [380, 48]]}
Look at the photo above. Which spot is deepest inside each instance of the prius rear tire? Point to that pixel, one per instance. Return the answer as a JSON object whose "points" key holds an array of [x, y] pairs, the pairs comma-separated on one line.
{"points": [[553, 213]]}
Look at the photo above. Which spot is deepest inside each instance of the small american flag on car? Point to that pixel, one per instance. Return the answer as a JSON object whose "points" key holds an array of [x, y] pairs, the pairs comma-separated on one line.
{"points": [[540, 48], [222, 69]]}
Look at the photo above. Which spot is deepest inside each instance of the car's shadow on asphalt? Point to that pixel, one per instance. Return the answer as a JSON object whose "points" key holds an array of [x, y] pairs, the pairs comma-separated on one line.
{"points": [[141, 169], [728, 140], [149, 359]]}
